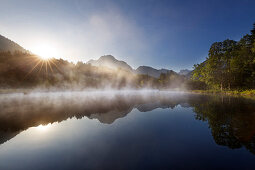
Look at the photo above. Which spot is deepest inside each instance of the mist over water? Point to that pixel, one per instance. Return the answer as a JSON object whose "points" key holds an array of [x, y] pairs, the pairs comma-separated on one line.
{"points": [[106, 129], [46, 107]]}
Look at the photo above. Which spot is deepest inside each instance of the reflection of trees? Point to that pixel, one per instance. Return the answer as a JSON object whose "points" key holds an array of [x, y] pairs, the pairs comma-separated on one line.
{"points": [[231, 120], [7, 135], [19, 113]]}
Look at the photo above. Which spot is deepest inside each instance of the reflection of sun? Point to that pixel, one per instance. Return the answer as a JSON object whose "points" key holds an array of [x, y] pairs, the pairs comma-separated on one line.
{"points": [[43, 128]]}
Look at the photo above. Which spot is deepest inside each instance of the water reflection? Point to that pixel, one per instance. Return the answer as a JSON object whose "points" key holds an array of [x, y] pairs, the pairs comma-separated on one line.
{"points": [[43, 128], [231, 120]]}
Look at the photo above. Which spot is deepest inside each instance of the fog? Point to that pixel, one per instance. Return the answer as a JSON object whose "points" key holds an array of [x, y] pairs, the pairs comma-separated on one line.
{"points": [[29, 72], [22, 110]]}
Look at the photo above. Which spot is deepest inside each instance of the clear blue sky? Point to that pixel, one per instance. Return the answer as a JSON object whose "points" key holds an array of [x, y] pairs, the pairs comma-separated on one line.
{"points": [[172, 34]]}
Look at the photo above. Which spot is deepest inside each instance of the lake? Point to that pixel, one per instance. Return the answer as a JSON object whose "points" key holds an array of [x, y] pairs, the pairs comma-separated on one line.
{"points": [[126, 130]]}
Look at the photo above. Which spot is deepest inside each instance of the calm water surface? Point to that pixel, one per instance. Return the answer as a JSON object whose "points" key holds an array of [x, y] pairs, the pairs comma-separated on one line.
{"points": [[126, 130]]}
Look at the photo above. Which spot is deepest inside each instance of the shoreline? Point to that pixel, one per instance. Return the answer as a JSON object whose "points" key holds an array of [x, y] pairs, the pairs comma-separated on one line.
{"points": [[235, 93], [247, 93]]}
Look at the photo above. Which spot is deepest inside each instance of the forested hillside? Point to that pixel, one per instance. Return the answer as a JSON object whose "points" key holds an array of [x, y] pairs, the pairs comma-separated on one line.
{"points": [[25, 70], [8, 45], [230, 65]]}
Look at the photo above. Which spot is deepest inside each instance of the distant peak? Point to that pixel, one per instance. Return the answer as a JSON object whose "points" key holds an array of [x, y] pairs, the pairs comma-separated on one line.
{"points": [[107, 57], [142, 67], [110, 62]]}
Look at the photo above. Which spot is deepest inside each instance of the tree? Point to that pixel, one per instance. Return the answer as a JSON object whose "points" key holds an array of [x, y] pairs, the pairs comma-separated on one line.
{"points": [[229, 65]]}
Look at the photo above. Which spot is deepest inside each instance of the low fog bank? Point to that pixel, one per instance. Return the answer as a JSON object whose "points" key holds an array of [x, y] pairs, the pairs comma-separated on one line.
{"points": [[56, 96], [106, 90], [26, 71]]}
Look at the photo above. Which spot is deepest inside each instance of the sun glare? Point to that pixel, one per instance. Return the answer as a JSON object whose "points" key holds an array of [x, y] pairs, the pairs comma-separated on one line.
{"points": [[45, 51]]}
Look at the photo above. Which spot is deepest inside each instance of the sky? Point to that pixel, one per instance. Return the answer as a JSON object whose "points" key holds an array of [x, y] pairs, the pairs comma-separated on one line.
{"points": [[172, 34]]}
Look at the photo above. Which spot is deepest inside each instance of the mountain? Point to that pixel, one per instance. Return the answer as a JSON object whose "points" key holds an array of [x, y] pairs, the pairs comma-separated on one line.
{"points": [[185, 72], [80, 72], [146, 70], [8, 45], [110, 62]]}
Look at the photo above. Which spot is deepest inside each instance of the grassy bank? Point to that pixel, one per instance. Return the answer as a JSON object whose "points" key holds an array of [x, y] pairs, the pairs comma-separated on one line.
{"points": [[7, 91], [243, 93]]}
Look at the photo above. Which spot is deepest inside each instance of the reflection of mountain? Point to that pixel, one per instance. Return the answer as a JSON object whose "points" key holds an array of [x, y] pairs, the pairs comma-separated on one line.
{"points": [[231, 120], [111, 116], [42, 108], [151, 106], [19, 112]]}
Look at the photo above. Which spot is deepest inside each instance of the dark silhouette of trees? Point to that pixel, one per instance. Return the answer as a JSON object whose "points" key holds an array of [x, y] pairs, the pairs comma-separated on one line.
{"points": [[230, 119]]}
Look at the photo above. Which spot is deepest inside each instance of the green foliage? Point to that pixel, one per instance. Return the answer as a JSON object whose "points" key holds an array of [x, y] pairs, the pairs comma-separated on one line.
{"points": [[230, 64]]}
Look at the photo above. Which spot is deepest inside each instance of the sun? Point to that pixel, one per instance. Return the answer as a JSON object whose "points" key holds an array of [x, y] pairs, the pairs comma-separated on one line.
{"points": [[45, 51], [45, 55]]}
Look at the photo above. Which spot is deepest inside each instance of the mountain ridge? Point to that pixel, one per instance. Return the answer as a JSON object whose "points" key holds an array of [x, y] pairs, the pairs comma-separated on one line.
{"points": [[108, 61], [147, 70], [9, 45], [113, 63]]}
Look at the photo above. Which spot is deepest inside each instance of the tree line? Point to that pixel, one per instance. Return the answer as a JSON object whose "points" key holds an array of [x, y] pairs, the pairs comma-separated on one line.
{"points": [[230, 65], [25, 70]]}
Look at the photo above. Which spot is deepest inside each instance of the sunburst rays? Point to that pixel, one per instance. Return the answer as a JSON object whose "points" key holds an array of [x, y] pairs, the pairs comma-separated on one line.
{"points": [[42, 66]]}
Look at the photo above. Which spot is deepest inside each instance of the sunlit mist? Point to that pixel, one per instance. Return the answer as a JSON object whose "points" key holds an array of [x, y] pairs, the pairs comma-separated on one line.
{"points": [[43, 128]]}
